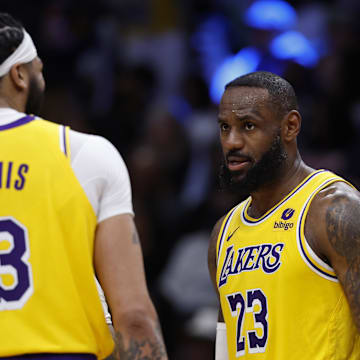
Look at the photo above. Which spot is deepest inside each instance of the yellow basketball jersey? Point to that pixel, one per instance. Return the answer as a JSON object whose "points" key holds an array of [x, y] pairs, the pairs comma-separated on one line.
{"points": [[279, 300], [48, 296]]}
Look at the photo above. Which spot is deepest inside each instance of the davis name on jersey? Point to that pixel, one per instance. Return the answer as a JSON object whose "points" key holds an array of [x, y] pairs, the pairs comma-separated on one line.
{"points": [[12, 175], [265, 256]]}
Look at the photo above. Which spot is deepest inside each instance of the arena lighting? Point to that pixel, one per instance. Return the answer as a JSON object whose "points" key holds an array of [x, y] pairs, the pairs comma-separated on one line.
{"points": [[292, 45], [210, 40], [245, 61], [271, 15]]}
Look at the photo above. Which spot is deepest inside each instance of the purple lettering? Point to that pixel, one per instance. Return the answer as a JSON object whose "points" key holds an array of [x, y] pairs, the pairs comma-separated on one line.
{"points": [[23, 169], [226, 270], [239, 263], [8, 180], [273, 266], [250, 258], [264, 251]]}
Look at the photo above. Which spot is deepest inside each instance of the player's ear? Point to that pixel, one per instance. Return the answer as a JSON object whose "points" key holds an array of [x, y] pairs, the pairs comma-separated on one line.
{"points": [[291, 125], [19, 76]]}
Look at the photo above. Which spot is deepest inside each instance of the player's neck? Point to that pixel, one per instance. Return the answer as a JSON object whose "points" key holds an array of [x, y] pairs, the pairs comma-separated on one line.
{"points": [[8, 103], [268, 196], [10, 97]]}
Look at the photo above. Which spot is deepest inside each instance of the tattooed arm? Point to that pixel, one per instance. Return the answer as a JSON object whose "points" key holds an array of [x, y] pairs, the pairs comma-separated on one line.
{"points": [[119, 268], [332, 229]]}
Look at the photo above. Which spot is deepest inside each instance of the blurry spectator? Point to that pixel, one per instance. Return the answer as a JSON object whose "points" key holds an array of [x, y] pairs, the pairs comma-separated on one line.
{"points": [[157, 169]]}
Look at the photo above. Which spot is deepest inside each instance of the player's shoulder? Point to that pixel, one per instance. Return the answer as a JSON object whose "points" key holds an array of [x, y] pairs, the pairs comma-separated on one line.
{"points": [[82, 138], [216, 229], [337, 193], [97, 153], [213, 240], [333, 219], [93, 147], [219, 224], [336, 202]]}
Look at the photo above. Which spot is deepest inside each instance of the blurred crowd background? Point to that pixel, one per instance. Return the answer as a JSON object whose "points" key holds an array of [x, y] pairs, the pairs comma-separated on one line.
{"points": [[148, 75]]}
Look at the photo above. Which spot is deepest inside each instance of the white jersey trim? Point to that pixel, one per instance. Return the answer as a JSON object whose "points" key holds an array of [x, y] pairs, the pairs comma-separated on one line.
{"points": [[316, 258]]}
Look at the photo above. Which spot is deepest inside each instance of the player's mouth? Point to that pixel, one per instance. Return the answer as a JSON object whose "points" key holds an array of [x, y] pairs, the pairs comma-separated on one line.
{"points": [[236, 163]]}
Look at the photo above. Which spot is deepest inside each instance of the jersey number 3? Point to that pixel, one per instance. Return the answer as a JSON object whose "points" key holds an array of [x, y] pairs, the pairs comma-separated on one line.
{"points": [[15, 271], [238, 307]]}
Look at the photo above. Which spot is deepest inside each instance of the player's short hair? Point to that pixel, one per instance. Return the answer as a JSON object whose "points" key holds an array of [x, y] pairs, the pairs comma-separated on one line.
{"points": [[282, 96], [11, 35]]}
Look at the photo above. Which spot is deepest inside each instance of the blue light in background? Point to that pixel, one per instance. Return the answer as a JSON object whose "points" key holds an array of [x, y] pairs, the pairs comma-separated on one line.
{"points": [[211, 42], [245, 61], [219, 66], [292, 45], [271, 15]]}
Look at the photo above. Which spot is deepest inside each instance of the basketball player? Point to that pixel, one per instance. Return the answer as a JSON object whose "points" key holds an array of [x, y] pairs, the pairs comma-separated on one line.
{"points": [[286, 260], [65, 213]]}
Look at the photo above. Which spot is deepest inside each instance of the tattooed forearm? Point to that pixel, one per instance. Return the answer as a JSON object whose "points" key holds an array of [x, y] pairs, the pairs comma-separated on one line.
{"points": [[343, 230], [145, 349]]}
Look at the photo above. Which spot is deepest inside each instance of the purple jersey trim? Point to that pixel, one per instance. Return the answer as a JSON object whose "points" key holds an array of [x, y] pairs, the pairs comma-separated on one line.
{"points": [[64, 140], [22, 121], [51, 357]]}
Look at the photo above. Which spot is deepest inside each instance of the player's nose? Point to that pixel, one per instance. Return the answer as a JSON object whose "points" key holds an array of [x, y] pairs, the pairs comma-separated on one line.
{"points": [[233, 141]]}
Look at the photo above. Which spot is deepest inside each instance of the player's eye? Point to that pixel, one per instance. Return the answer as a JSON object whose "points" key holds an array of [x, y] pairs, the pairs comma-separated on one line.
{"points": [[224, 126], [249, 125]]}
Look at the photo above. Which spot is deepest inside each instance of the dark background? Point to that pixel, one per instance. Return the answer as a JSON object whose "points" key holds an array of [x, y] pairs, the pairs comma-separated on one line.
{"points": [[139, 72]]}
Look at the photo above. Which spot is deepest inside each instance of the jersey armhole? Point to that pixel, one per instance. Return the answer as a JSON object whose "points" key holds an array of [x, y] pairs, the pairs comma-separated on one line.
{"points": [[307, 253], [223, 230]]}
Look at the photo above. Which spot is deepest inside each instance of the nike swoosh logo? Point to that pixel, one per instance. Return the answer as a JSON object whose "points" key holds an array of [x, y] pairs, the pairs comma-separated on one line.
{"points": [[231, 235]]}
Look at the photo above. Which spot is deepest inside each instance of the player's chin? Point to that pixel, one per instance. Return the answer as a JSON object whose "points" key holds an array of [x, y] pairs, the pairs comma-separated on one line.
{"points": [[238, 176]]}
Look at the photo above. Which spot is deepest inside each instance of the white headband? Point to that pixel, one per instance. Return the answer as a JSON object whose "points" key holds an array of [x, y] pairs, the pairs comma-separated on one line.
{"points": [[25, 53]]}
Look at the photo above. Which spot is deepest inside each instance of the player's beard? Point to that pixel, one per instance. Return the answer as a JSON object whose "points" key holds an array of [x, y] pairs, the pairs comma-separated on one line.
{"points": [[35, 98], [265, 171]]}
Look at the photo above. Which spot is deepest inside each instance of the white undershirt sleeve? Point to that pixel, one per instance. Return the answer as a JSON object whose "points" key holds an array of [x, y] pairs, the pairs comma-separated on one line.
{"points": [[102, 174], [221, 350]]}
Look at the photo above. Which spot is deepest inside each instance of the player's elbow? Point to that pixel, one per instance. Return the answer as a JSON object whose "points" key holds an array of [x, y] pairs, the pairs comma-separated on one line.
{"points": [[136, 321]]}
